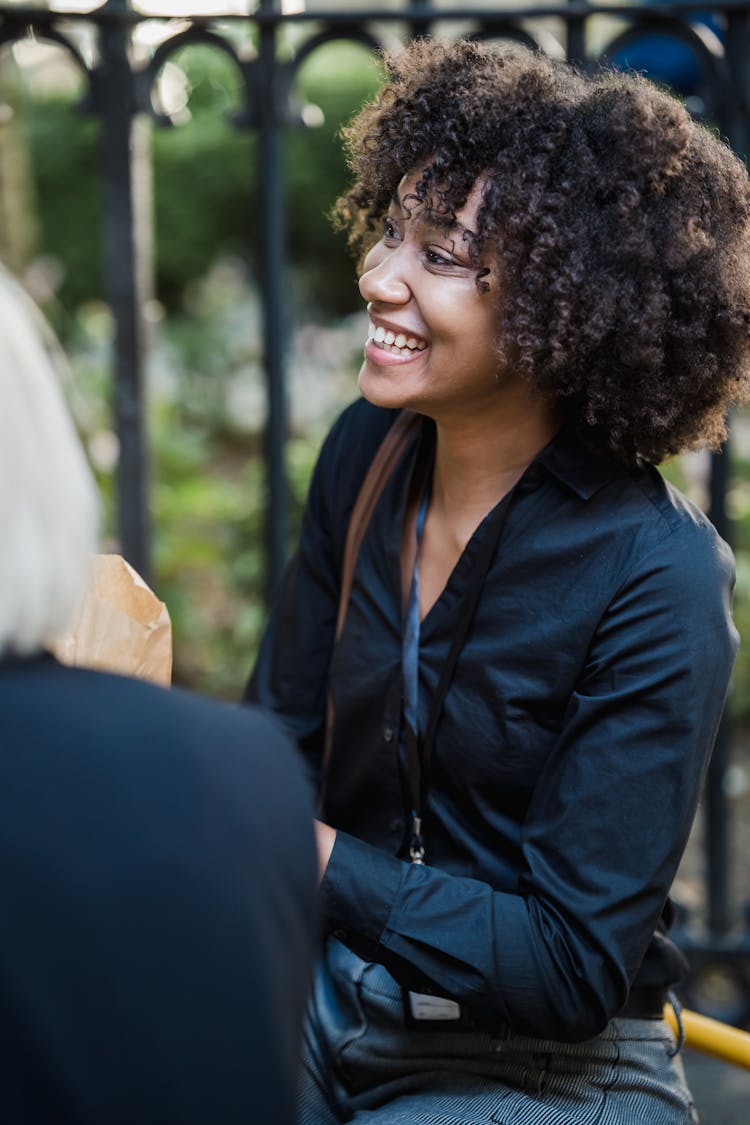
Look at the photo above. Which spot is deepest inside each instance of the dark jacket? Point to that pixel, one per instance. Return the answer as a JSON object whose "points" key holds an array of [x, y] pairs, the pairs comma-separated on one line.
{"points": [[157, 894], [572, 742]]}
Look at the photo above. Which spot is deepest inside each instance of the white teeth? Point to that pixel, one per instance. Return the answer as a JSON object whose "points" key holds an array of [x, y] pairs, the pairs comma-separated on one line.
{"points": [[400, 344]]}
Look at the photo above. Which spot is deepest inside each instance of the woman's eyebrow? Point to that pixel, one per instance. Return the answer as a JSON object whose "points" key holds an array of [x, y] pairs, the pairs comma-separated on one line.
{"points": [[447, 228], [454, 230]]}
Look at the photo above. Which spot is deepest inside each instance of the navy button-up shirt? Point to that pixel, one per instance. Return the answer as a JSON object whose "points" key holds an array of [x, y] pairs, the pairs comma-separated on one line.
{"points": [[572, 743]]}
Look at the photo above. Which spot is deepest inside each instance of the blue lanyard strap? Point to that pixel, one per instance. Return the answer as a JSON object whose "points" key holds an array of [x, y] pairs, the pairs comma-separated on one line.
{"points": [[419, 747], [410, 673], [410, 652]]}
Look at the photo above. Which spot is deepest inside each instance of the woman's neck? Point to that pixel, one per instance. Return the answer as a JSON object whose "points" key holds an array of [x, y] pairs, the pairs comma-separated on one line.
{"points": [[478, 460]]}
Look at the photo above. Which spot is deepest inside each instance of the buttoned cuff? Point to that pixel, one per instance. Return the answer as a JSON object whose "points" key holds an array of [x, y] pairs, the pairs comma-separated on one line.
{"points": [[359, 888]]}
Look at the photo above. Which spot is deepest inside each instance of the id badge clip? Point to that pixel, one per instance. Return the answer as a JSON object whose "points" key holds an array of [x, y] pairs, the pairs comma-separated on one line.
{"points": [[424, 1010]]}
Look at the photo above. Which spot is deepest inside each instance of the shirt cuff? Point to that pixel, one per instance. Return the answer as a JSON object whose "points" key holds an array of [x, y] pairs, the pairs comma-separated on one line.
{"points": [[361, 883]]}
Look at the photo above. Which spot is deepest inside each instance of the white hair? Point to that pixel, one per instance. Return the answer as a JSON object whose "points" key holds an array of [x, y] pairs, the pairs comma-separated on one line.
{"points": [[48, 500]]}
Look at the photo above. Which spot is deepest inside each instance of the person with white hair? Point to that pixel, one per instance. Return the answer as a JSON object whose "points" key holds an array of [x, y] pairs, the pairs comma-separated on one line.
{"points": [[154, 952], [48, 499]]}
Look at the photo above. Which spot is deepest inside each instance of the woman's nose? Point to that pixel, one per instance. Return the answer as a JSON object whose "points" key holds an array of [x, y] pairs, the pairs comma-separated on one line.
{"points": [[383, 280]]}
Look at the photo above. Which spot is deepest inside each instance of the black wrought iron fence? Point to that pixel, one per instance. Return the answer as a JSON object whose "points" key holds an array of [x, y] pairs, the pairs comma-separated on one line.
{"points": [[120, 90]]}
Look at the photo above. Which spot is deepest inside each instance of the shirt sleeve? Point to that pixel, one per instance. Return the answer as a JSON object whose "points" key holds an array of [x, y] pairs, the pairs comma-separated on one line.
{"points": [[604, 832]]}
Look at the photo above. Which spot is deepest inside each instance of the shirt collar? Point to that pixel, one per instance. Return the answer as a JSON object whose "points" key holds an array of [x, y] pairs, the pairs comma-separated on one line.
{"points": [[565, 458], [582, 470]]}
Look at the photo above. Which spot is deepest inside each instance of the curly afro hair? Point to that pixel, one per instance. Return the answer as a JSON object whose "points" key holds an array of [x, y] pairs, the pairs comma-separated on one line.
{"points": [[621, 229]]}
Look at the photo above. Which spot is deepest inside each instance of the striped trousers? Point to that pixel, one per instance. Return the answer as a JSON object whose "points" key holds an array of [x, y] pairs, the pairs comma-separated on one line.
{"points": [[362, 1063]]}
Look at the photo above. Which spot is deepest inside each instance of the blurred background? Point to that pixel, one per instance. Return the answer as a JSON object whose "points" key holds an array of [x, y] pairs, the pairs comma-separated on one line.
{"points": [[205, 386]]}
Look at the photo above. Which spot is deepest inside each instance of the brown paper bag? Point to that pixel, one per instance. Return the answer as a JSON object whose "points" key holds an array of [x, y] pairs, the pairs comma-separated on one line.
{"points": [[122, 626]]}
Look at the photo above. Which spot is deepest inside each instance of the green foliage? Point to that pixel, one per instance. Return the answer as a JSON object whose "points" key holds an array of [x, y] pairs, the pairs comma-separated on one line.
{"points": [[209, 559], [338, 79], [204, 201], [207, 474], [204, 178], [206, 182], [66, 164]]}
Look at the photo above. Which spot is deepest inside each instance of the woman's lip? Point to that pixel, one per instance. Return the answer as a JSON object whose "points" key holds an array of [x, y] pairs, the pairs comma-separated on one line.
{"points": [[383, 358]]}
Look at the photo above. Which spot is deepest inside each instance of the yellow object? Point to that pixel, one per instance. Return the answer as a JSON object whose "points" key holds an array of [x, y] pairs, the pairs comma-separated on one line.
{"points": [[712, 1037]]}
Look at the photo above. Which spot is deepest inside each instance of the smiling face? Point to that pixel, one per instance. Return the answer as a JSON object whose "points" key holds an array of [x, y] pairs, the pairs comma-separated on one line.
{"points": [[432, 338]]}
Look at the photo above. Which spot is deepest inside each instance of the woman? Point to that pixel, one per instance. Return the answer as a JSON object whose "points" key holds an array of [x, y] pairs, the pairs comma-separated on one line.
{"points": [[538, 640]]}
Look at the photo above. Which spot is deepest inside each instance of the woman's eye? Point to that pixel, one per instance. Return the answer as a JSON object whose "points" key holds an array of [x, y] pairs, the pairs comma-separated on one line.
{"points": [[436, 259], [389, 228]]}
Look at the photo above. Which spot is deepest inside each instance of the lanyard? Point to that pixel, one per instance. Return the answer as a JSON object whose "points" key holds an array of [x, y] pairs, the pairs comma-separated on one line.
{"points": [[410, 655], [418, 746]]}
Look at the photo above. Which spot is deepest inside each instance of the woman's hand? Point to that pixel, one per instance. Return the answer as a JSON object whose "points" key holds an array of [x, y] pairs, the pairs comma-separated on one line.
{"points": [[325, 837]]}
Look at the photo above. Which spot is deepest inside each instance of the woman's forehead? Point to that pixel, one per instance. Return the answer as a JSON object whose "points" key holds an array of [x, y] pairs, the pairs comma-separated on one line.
{"points": [[406, 201]]}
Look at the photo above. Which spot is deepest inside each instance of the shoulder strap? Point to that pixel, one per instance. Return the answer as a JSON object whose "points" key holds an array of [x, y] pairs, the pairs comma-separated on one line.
{"points": [[382, 465]]}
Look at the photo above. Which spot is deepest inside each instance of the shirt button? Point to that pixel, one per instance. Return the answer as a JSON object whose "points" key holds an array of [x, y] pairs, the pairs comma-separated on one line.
{"points": [[388, 734]]}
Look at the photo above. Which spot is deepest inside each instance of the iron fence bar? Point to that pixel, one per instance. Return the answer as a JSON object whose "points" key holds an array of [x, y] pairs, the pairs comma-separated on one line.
{"points": [[575, 26], [115, 100], [566, 9], [716, 838], [422, 13], [267, 16], [716, 841], [272, 271], [736, 122]]}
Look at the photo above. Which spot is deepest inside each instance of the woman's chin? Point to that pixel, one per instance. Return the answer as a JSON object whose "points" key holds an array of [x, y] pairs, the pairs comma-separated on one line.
{"points": [[381, 387]]}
